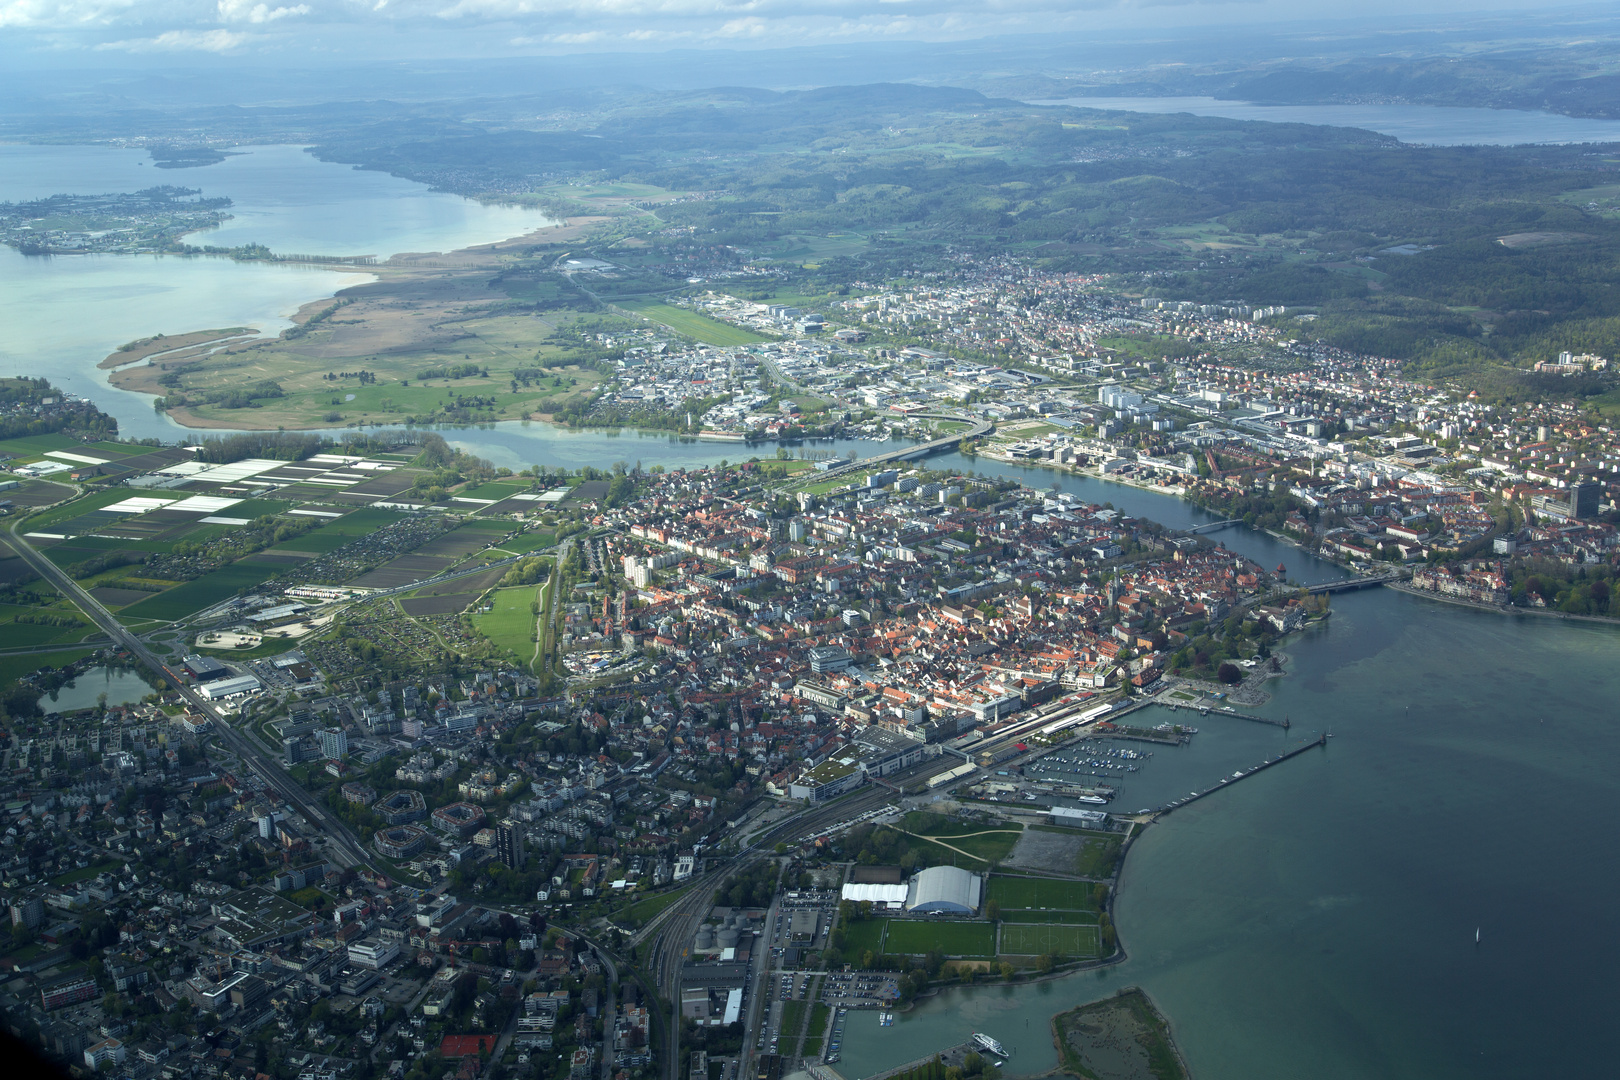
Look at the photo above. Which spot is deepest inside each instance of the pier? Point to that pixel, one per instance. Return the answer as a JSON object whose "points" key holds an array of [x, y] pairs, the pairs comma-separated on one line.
{"points": [[1320, 740], [1210, 710], [950, 1056]]}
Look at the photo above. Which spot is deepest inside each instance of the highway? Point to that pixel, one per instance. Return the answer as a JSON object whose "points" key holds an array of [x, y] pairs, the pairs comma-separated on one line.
{"points": [[336, 832]]}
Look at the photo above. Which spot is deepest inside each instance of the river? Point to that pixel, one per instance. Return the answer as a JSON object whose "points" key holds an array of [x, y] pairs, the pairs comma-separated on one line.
{"points": [[1430, 125]]}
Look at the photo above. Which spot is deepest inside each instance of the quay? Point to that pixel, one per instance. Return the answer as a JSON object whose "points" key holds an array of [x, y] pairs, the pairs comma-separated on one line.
{"points": [[950, 1056], [1320, 740], [1206, 710]]}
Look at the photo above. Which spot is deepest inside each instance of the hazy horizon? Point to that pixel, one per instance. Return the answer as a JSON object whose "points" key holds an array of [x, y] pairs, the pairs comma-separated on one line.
{"points": [[114, 35]]}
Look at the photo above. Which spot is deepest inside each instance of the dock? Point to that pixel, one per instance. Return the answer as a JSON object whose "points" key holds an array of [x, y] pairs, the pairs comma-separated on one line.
{"points": [[1319, 741], [1207, 710], [950, 1056]]}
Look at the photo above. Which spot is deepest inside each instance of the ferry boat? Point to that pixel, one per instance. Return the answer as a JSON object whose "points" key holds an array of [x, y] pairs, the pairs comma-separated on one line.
{"points": [[985, 1042]]}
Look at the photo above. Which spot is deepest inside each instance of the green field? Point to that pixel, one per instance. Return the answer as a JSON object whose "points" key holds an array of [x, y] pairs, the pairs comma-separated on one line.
{"points": [[642, 910], [951, 938], [35, 445], [209, 589], [69, 510], [320, 541], [85, 873], [498, 489], [818, 1027], [1073, 918], [1026, 892], [363, 521], [81, 548], [15, 667], [991, 847], [792, 1020], [510, 623], [696, 325], [1098, 857], [16, 635], [252, 508], [861, 936], [529, 541], [1032, 940]]}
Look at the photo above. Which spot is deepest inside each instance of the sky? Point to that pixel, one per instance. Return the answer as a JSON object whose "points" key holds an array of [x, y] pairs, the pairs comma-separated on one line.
{"points": [[127, 31]]}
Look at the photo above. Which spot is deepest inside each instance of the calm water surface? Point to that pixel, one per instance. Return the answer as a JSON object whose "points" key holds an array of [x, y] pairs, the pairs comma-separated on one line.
{"points": [[1318, 918], [1432, 125], [64, 314], [84, 692]]}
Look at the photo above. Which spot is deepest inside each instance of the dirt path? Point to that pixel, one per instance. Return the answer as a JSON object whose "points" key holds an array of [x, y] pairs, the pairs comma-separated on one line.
{"points": [[963, 836]]}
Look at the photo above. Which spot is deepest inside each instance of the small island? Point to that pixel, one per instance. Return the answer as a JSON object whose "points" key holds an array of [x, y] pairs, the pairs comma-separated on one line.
{"points": [[1124, 1037]]}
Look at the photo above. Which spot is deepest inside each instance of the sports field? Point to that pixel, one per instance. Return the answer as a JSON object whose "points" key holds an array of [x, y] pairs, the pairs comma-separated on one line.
{"points": [[951, 938], [1027, 892], [1018, 939], [696, 325], [1077, 918], [510, 622]]}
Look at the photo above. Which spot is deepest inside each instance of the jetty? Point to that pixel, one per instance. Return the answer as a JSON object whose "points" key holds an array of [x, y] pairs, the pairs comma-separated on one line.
{"points": [[1319, 741], [1208, 710], [950, 1056]]}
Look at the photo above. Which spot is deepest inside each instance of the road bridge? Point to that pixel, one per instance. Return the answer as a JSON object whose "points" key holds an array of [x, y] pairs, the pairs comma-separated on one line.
{"points": [[1213, 526], [1352, 584]]}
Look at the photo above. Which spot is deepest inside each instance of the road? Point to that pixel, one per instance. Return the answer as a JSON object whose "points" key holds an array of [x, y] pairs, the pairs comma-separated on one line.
{"points": [[335, 831], [670, 933]]}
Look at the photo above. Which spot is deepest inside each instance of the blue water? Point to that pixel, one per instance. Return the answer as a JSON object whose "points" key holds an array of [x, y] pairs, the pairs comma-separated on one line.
{"points": [[1431, 125], [63, 314], [1317, 919]]}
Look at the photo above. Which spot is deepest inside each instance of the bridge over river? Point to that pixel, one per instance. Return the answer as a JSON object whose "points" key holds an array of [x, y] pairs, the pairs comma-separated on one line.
{"points": [[975, 429]]}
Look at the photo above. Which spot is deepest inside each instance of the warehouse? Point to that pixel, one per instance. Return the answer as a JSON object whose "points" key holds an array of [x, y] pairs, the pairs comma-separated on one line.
{"points": [[224, 688]]}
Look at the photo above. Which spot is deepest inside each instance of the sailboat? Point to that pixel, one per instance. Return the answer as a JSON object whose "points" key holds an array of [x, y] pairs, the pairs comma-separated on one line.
{"points": [[1476, 937]]}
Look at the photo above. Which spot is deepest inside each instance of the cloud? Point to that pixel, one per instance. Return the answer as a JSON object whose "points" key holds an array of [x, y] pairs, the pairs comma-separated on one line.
{"points": [[61, 13], [242, 11], [214, 41]]}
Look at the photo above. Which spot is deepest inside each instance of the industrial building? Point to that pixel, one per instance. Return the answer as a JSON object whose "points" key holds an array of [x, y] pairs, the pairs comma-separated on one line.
{"points": [[224, 688]]}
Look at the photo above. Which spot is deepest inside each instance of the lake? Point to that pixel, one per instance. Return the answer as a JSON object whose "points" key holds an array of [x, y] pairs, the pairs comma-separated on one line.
{"points": [[1432, 125], [122, 687], [64, 314]]}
